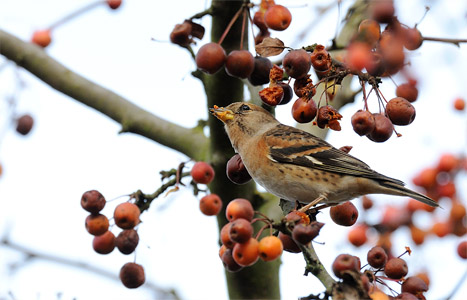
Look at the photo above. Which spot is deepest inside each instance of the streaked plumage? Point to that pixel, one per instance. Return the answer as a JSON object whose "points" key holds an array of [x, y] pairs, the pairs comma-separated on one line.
{"points": [[298, 166]]}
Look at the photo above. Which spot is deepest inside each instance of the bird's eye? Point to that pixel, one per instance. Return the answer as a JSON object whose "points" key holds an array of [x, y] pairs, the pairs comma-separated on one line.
{"points": [[244, 107]]}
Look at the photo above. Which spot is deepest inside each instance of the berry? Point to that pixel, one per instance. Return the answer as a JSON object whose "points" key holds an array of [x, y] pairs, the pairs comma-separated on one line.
{"points": [[303, 87], [462, 249], [210, 58], [377, 257], [24, 124], [97, 224], [406, 296], [382, 10], [447, 162], [236, 171], [104, 243], [272, 95], [246, 254], [412, 38], [357, 235], [414, 285], [400, 111], [363, 122], [441, 229], [260, 74], [329, 117], [358, 55], [304, 234], [375, 65], [132, 275], [41, 38], [288, 93], [277, 17], [127, 241], [126, 215], [396, 268], [304, 110], [258, 20], [345, 263], [459, 104], [240, 230], [202, 172], [239, 208], [297, 63], [229, 262], [225, 236], [114, 4], [367, 203], [92, 201], [407, 91], [270, 248], [240, 63], [288, 243], [345, 214], [297, 217], [370, 31], [383, 129], [210, 205]]}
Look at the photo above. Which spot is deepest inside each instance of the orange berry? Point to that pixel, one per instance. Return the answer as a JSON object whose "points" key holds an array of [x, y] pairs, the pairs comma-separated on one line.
{"points": [[210, 205], [357, 235], [458, 211], [417, 234], [441, 229], [270, 248], [202, 172], [462, 249], [225, 236], [278, 17], [426, 178], [126, 215], [459, 104], [358, 55], [239, 208], [104, 243], [370, 31], [97, 224], [447, 162], [222, 251], [247, 253], [41, 38]]}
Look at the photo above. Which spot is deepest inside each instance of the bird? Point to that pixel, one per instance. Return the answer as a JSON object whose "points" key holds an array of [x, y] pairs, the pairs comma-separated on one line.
{"points": [[295, 165]]}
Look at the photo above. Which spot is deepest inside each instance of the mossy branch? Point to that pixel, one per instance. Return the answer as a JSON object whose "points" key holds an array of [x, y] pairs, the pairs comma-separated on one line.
{"points": [[189, 141]]}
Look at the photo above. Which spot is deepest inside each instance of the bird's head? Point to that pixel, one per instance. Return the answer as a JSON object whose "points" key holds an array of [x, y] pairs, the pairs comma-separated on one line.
{"points": [[243, 119]]}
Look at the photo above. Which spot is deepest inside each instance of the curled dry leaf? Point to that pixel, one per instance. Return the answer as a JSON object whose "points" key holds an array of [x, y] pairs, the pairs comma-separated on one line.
{"points": [[270, 47]]}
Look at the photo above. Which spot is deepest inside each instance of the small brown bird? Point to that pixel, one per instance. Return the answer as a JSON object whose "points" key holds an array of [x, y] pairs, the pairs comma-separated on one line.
{"points": [[298, 166]]}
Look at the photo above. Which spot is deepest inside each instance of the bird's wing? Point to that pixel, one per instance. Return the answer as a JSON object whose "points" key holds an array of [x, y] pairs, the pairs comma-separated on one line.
{"points": [[294, 146]]}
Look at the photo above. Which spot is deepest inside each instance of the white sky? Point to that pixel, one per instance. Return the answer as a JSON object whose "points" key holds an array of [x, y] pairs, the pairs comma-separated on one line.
{"points": [[73, 149]]}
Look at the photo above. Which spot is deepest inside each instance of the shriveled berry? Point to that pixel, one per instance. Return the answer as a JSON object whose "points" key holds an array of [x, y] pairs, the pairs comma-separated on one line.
{"points": [[303, 87], [383, 129], [181, 34], [272, 95], [329, 117], [345, 214], [92, 201], [288, 243], [127, 241], [377, 257], [363, 122], [132, 275], [414, 285], [320, 58], [288, 93], [400, 111], [396, 268], [304, 234], [229, 262]]}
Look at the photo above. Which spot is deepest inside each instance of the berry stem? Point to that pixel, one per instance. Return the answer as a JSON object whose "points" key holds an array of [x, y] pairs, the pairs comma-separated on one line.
{"points": [[244, 22], [76, 13], [227, 29]]}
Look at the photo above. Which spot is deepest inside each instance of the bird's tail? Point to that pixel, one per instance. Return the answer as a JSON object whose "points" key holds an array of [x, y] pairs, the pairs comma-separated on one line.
{"points": [[403, 191]]}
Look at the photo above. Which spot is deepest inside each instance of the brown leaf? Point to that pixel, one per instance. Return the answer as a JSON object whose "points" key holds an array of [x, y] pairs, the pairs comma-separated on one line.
{"points": [[270, 47]]}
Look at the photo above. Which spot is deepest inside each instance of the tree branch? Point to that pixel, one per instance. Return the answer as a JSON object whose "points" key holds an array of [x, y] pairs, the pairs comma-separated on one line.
{"points": [[189, 141]]}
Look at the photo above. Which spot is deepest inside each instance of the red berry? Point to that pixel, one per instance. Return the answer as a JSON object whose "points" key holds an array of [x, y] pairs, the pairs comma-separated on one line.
{"points": [[236, 171], [345, 263], [240, 230], [202, 172], [210, 205], [210, 58], [462, 249], [92, 201], [400, 111], [181, 34], [363, 122], [277, 17], [225, 236], [229, 262], [412, 38], [24, 124], [288, 243], [382, 10], [239, 63], [288, 93], [459, 104], [396, 268], [358, 55], [97, 224], [114, 4], [415, 286], [377, 257], [104, 243], [132, 275], [383, 129], [407, 91], [357, 235], [297, 63], [260, 74], [345, 214], [304, 110]]}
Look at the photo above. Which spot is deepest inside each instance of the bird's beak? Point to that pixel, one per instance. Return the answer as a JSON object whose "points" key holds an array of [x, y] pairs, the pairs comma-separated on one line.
{"points": [[222, 113]]}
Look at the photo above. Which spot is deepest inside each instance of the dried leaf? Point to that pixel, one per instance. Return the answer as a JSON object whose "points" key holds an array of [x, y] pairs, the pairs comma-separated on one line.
{"points": [[270, 47]]}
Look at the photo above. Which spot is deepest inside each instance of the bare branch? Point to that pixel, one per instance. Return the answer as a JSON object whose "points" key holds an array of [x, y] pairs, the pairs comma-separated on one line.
{"points": [[189, 141]]}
